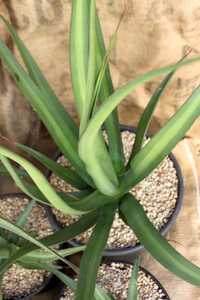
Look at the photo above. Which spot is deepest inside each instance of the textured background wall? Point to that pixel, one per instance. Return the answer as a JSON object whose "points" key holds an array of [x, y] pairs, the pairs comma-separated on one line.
{"points": [[153, 34]]}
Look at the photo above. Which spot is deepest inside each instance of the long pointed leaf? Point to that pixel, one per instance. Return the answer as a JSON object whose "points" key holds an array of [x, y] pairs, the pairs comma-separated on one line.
{"points": [[146, 118], [41, 257], [79, 41], [112, 122], [164, 141], [134, 215], [88, 139], [66, 174], [4, 172], [22, 219], [19, 182], [41, 182], [56, 238], [93, 253], [133, 288], [91, 72], [21, 233], [50, 116], [38, 77]]}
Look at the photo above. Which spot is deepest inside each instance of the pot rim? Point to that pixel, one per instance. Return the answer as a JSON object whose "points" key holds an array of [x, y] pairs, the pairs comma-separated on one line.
{"points": [[130, 251], [129, 262]]}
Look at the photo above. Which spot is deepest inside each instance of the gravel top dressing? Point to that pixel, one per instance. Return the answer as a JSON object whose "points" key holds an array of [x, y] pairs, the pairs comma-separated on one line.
{"points": [[18, 281], [157, 193], [114, 279]]}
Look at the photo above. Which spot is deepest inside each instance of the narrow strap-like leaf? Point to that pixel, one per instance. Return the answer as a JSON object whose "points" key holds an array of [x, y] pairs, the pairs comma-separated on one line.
{"points": [[4, 172], [66, 174], [88, 139], [23, 234], [92, 201], [38, 77], [22, 219], [112, 122], [91, 72], [39, 256], [79, 50], [134, 215], [146, 118], [19, 182], [66, 141], [93, 253], [59, 237], [41, 182], [163, 142], [133, 287]]}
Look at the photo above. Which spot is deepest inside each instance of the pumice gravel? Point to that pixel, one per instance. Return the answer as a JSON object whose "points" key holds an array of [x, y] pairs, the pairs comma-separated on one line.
{"points": [[20, 282], [114, 279], [157, 193]]}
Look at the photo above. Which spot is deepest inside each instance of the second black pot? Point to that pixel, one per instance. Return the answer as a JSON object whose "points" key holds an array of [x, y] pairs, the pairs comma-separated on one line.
{"points": [[130, 253]]}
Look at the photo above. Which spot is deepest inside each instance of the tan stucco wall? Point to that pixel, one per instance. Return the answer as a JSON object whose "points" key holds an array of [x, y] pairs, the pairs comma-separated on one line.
{"points": [[153, 34]]}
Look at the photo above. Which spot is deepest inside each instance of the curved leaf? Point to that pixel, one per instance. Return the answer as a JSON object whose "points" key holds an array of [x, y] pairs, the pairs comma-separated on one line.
{"points": [[41, 257], [88, 155], [134, 215], [59, 237], [145, 120], [163, 142], [105, 90], [21, 233], [41, 182], [65, 139], [37, 76], [64, 173], [19, 182]]}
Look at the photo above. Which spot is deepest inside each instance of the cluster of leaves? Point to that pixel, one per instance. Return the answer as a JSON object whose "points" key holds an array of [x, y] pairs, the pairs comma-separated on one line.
{"points": [[99, 172]]}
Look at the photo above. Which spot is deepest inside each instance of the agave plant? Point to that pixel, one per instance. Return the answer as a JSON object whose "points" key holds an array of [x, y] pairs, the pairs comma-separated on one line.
{"points": [[97, 168]]}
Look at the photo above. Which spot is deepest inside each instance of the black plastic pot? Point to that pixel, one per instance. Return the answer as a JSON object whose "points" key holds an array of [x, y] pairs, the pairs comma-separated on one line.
{"points": [[49, 282], [142, 269], [130, 253]]}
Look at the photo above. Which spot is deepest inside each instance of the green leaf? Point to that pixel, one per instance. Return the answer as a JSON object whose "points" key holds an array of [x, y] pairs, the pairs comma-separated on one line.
{"points": [[59, 237], [40, 180], [66, 174], [22, 219], [106, 89], [68, 281], [163, 142], [4, 172], [91, 72], [90, 202], [134, 215], [86, 151], [39, 79], [92, 256], [19, 182], [82, 53], [49, 114], [39, 257], [21, 233], [79, 50], [133, 288], [146, 118]]}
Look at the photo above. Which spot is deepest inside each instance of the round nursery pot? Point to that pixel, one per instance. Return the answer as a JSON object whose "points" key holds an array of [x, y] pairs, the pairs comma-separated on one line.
{"points": [[18, 282], [163, 189], [114, 278]]}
